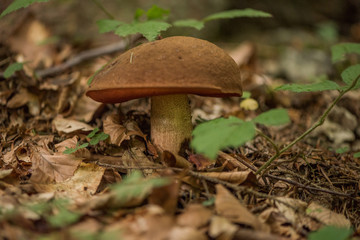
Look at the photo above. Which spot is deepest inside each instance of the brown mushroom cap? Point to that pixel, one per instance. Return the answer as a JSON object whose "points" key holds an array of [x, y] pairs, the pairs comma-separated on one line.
{"points": [[173, 65]]}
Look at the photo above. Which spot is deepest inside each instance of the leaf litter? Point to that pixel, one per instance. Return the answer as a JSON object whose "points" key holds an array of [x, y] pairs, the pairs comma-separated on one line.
{"points": [[119, 188]]}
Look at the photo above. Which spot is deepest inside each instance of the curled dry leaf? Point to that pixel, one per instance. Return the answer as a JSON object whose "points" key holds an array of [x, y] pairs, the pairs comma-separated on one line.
{"points": [[243, 177], [23, 97], [184, 233], [63, 125], [174, 160], [228, 206], [119, 133]]}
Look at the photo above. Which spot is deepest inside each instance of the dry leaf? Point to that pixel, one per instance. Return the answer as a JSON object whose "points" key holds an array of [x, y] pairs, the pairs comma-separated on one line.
{"points": [[327, 216], [243, 177], [119, 133], [23, 97], [228, 206], [27, 40], [195, 215], [221, 226], [186, 233], [63, 125], [48, 167]]}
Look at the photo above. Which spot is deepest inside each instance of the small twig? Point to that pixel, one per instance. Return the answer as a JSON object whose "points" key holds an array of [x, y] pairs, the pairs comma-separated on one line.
{"points": [[307, 132], [99, 5], [83, 56], [269, 140]]}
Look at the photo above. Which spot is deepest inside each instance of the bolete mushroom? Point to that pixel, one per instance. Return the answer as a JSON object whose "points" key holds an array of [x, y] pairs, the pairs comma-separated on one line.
{"points": [[167, 70]]}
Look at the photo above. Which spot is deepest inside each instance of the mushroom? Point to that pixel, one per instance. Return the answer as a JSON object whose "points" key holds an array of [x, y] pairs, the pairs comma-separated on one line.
{"points": [[167, 70]]}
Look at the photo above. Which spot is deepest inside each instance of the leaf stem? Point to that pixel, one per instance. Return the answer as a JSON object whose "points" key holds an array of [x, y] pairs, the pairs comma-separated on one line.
{"points": [[269, 140], [99, 5], [317, 124]]}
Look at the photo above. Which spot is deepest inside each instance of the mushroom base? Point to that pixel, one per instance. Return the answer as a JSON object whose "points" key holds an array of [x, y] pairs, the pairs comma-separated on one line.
{"points": [[170, 121]]}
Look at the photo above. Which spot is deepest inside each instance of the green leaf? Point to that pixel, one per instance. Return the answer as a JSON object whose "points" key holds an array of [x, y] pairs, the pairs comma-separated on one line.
{"points": [[138, 13], [72, 150], [312, 87], [342, 150], [93, 132], [357, 155], [273, 117], [189, 23], [246, 94], [331, 233], [339, 51], [98, 137], [214, 135], [248, 12], [157, 13], [135, 186], [108, 25], [150, 29], [12, 68], [350, 74], [17, 4]]}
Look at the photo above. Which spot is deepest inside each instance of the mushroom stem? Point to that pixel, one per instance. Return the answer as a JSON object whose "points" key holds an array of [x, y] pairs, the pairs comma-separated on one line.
{"points": [[170, 121]]}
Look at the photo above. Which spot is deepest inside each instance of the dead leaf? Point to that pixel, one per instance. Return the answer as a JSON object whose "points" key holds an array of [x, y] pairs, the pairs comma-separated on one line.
{"points": [[327, 216], [174, 160], [185, 233], [63, 125], [243, 177], [27, 40], [23, 97], [166, 197], [228, 206], [221, 226], [48, 167], [85, 109], [195, 215], [119, 133], [201, 162]]}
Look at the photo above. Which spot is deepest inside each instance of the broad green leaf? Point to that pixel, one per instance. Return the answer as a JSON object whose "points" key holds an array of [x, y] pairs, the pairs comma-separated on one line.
{"points": [[157, 13], [248, 12], [150, 29], [312, 87], [17, 4], [339, 51], [12, 68], [189, 23], [135, 186], [214, 135], [350, 74], [273, 117], [331, 233], [357, 155], [108, 25], [98, 137]]}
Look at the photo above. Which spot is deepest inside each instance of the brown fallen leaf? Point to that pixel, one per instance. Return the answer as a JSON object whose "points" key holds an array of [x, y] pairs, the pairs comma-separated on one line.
{"points": [[226, 205], [195, 215], [185, 233], [63, 125], [23, 97], [27, 40], [121, 132], [222, 228], [241, 177], [48, 167]]}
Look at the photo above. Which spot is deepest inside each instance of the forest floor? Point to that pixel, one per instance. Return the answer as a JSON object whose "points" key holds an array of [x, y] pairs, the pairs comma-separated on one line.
{"points": [[95, 193]]}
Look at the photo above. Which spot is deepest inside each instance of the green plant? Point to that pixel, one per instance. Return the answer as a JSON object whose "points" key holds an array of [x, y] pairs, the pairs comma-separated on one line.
{"points": [[235, 132], [12, 68], [95, 137], [331, 233]]}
